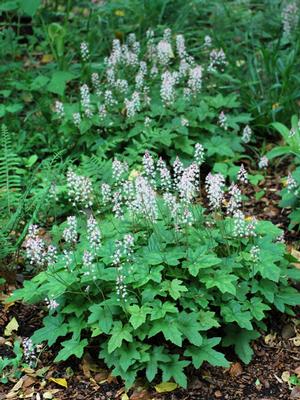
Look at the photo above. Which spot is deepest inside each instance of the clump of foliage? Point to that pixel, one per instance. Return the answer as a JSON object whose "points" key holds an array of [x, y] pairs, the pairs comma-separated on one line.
{"points": [[154, 95], [156, 279], [290, 147], [9, 367]]}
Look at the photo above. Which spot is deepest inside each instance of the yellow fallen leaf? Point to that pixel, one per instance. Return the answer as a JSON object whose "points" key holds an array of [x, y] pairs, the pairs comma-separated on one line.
{"points": [[47, 395], [124, 397], [166, 387], [47, 58], [119, 13], [285, 376], [11, 326], [60, 381]]}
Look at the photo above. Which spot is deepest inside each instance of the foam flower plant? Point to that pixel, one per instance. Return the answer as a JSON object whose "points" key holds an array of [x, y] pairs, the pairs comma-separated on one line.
{"points": [[154, 96], [154, 279]]}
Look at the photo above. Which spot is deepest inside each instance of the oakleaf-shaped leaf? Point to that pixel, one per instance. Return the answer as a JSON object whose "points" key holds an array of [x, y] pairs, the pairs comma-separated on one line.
{"points": [[202, 262], [118, 334], [206, 352], [138, 315], [175, 369], [190, 327], [240, 339], [101, 315], [169, 328], [71, 348], [53, 328]]}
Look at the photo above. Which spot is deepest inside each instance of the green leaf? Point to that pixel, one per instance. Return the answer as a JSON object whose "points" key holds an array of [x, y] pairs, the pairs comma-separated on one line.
{"points": [[161, 309], [118, 334], [206, 353], [156, 355], [232, 312], [202, 262], [224, 282], [174, 369], [58, 82], [207, 320], [101, 315], [138, 315], [71, 348], [29, 6], [174, 287], [269, 255], [282, 129], [169, 328], [240, 339], [278, 152], [39, 82], [173, 256], [9, 5], [53, 328], [190, 327], [128, 354], [287, 296], [257, 308]]}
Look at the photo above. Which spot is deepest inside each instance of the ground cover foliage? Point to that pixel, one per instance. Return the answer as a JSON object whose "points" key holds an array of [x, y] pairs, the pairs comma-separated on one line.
{"points": [[127, 153]]}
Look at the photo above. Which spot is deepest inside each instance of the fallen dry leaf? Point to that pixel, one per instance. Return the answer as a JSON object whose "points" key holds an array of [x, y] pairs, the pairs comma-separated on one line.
{"points": [[285, 376], [270, 339], [11, 395], [218, 394], [140, 395], [60, 381], [28, 381], [165, 387], [296, 254], [11, 326], [46, 58], [101, 377], [296, 340], [236, 369], [18, 385], [297, 371]]}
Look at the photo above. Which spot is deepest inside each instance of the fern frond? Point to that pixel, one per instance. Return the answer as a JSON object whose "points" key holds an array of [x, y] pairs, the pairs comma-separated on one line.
{"points": [[95, 167], [10, 176]]}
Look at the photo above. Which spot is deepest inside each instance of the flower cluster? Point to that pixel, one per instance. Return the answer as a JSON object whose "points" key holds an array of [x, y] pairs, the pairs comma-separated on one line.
{"points": [[263, 162], [290, 18], [215, 185], [29, 352], [93, 233], [80, 191], [217, 60], [166, 64], [85, 54], [70, 232], [123, 251], [59, 109], [51, 303], [37, 251], [243, 226], [235, 200], [223, 120], [291, 184], [247, 134], [242, 175]]}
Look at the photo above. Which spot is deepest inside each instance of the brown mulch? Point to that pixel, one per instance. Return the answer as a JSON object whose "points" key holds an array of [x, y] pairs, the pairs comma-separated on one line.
{"points": [[275, 356]]}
